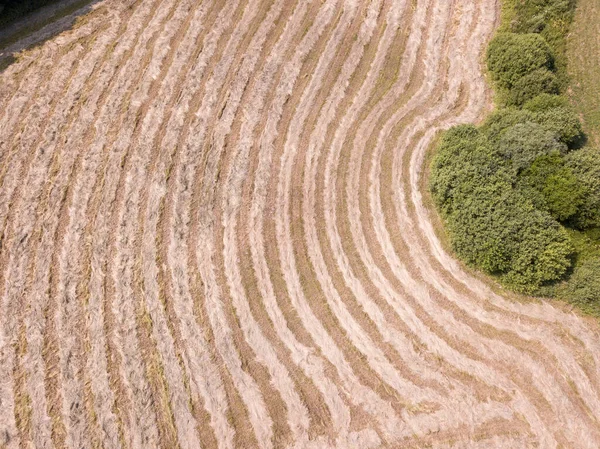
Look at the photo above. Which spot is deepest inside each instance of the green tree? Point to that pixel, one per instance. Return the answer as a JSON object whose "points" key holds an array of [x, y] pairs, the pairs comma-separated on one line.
{"points": [[552, 187], [511, 56], [502, 119], [556, 114], [523, 143], [531, 85], [543, 252], [583, 287], [585, 164], [544, 102], [491, 224]]}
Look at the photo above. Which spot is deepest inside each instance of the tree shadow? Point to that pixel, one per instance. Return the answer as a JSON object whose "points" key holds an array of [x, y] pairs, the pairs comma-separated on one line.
{"points": [[579, 142], [37, 27]]}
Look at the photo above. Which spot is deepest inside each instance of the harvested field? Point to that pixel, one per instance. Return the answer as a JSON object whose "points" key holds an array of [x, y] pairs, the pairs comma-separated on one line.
{"points": [[213, 235]]}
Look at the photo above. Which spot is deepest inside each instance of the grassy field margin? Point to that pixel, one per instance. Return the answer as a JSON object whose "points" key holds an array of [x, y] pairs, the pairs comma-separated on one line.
{"points": [[583, 52]]}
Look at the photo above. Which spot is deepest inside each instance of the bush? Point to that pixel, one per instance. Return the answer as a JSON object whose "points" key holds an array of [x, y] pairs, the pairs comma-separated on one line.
{"points": [[511, 56], [552, 187], [583, 287], [585, 164], [462, 159], [503, 188], [482, 228], [545, 101], [563, 194], [491, 224], [543, 254], [500, 232], [556, 114], [531, 85], [523, 143], [501, 120], [563, 122], [534, 16], [552, 112]]}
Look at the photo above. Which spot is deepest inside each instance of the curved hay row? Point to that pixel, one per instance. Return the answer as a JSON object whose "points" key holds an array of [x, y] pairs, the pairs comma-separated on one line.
{"points": [[213, 235]]}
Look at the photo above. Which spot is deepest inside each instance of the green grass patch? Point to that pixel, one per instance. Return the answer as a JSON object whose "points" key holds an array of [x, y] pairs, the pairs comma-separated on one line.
{"points": [[583, 53]]}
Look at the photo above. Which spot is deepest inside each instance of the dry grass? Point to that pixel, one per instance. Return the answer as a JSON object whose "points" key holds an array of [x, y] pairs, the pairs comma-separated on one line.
{"points": [[213, 234]]}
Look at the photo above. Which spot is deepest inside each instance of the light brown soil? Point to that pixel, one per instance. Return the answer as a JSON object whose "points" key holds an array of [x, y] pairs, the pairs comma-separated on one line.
{"points": [[213, 234]]}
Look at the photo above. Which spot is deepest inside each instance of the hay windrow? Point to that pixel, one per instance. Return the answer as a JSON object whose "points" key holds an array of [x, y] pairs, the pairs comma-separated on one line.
{"points": [[212, 234]]}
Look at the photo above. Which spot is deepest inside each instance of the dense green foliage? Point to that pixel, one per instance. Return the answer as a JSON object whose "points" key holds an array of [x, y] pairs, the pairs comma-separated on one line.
{"points": [[562, 121], [585, 164], [512, 56], [584, 286], [510, 190], [481, 187], [552, 187], [531, 85], [548, 18]]}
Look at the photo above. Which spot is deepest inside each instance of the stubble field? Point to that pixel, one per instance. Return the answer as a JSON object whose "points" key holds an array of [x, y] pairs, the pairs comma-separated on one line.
{"points": [[213, 234]]}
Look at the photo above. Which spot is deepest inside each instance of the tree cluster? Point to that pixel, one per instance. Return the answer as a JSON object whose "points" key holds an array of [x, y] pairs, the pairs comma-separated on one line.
{"points": [[507, 189]]}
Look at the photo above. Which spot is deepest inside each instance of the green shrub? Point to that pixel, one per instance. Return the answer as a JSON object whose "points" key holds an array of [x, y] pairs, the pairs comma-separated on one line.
{"points": [[551, 112], [491, 225], [534, 16], [544, 102], [500, 232], [585, 164], [562, 122], [563, 195], [555, 114], [543, 253], [462, 159], [523, 143], [552, 187], [512, 56], [503, 188], [583, 287], [531, 85], [481, 229], [501, 120], [550, 18]]}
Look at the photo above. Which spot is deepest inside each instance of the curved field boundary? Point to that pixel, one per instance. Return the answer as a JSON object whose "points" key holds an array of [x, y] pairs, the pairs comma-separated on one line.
{"points": [[212, 236]]}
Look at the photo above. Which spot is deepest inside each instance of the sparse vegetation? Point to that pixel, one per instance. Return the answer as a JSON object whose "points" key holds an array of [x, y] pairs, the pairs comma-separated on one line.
{"points": [[517, 192]]}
